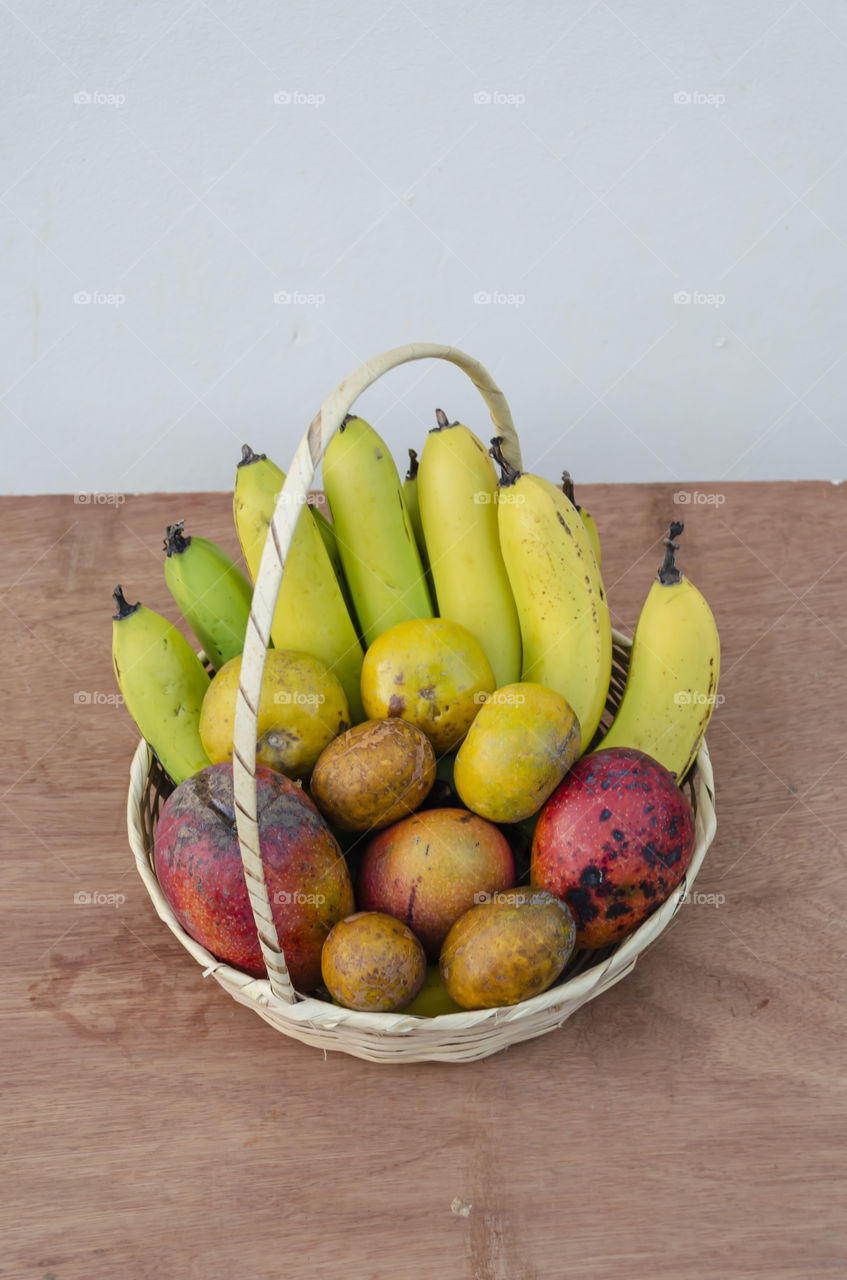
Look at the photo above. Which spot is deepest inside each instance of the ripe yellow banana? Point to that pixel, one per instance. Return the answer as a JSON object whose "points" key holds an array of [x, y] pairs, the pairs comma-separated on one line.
{"points": [[381, 560], [585, 516], [457, 490], [212, 593], [163, 683], [311, 615], [674, 666], [556, 583]]}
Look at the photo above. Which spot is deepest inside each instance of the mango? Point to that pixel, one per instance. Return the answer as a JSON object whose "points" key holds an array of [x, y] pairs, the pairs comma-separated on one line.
{"points": [[373, 775], [428, 869], [301, 709], [507, 949], [430, 672], [372, 962], [518, 749]]}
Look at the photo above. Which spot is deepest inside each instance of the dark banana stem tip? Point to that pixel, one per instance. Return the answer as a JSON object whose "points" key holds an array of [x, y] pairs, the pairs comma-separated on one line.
{"points": [[567, 487], [124, 610], [442, 420], [508, 473], [411, 474], [248, 457], [668, 572], [175, 539]]}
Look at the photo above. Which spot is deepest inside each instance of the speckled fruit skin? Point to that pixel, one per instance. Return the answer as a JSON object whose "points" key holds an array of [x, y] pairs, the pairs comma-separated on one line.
{"points": [[518, 749], [614, 840], [428, 869], [507, 950], [199, 868], [373, 775], [430, 672], [372, 962]]}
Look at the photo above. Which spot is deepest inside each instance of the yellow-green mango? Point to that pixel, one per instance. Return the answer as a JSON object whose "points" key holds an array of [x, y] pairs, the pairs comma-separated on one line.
{"points": [[518, 749]]}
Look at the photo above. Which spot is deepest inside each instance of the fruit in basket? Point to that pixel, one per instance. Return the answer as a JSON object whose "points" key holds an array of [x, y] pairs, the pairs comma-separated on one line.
{"points": [[301, 709], [457, 491], [507, 950], [163, 684], [373, 962], [433, 1000], [199, 867], [585, 516], [381, 561], [413, 506], [430, 672], [211, 591], [518, 749], [672, 683], [311, 615], [373, 775], [558, 590], [428, 869], [614, 840]]}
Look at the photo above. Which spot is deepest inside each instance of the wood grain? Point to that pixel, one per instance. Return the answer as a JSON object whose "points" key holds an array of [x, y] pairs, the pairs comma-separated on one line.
{"points": [[690, 1122]]}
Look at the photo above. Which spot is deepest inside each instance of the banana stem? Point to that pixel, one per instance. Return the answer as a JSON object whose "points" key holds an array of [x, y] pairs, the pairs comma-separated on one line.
{"points": [[567, 487], [442, 420], [175, 539], [413, 465], [668, 572], [508, 473], [124, 609], [248, 457]]}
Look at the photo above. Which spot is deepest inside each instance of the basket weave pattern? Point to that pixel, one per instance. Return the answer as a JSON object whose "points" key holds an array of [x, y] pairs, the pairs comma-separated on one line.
{"points": [[379, 1037]]}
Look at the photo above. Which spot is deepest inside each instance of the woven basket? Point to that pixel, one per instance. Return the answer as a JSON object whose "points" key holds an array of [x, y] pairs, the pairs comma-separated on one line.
{"points": [[380, 1037]]}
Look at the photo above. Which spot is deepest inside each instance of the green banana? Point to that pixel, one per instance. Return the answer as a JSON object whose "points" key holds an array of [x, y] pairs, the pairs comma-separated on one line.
{"points": [[381, 560], [163, 683], [672, 683], [585, 516], [311, 615], [457, 490], [211, 591], [413, 506], [556, 583]]}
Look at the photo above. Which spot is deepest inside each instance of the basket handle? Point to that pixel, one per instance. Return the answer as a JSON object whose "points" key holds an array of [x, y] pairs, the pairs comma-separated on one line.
{"points": [[289, 505]]}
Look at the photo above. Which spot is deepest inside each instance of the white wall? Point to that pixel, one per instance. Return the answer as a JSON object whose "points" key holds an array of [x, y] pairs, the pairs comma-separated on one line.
{"points": [[592, 198]]}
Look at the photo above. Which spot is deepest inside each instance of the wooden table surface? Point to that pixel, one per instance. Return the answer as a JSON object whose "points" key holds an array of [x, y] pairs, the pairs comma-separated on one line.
{"points": [[688, 1123]]}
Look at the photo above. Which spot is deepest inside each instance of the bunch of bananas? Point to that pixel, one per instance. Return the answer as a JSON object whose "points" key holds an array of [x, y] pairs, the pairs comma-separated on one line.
{"points": [[511, 558]]}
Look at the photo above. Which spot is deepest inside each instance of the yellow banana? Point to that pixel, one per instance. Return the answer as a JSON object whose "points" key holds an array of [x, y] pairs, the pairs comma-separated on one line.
{"points": [[457, 490], [672, 683], [556, 583], [163, 683], [585, 516], [381, 560], [311, 615], [211, 591]]}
